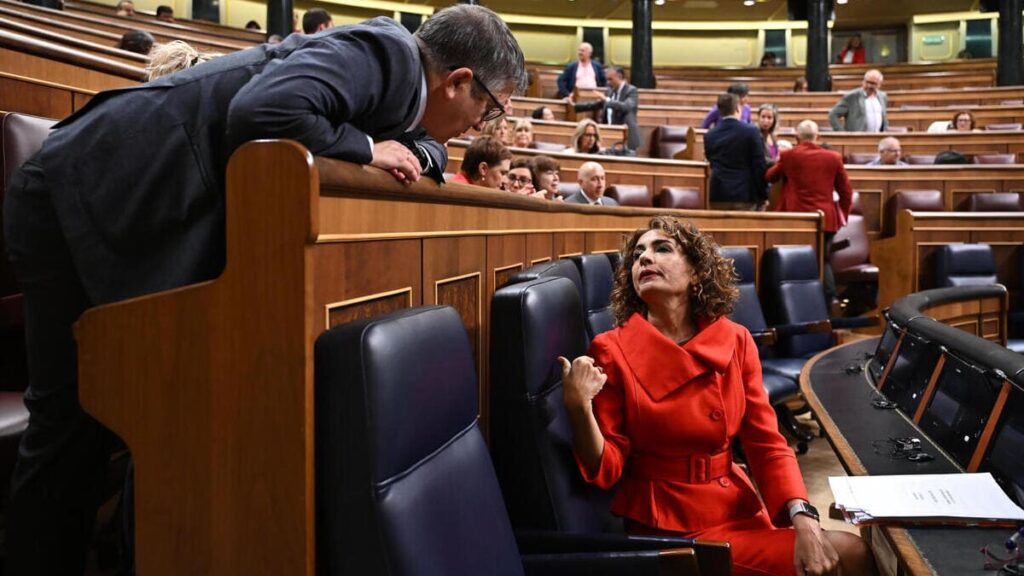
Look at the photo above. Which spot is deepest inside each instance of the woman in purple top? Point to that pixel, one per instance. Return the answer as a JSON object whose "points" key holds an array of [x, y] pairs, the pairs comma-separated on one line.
{"points": [[767, 121], [742, 91]]}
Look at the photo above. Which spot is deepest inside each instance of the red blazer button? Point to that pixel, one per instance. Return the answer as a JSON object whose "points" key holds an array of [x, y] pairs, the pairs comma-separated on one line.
{"points": [[716, 415], [724, 481]]}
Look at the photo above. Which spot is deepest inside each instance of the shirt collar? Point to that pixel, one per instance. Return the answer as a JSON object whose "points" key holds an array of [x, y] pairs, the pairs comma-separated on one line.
{"points": [[421, 106]]}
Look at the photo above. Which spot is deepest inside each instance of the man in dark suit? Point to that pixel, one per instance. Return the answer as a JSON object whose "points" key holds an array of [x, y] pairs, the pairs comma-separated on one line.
{"points": [[618, 106], [736, 153], [585, 72], [811, 175], [592, 185], [126, 197]]}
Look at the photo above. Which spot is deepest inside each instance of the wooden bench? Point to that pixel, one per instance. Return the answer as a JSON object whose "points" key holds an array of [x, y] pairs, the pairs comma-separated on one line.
{"points": [[211, 385], [952, 99], [29, 57], [196, 26], [40, 98]]}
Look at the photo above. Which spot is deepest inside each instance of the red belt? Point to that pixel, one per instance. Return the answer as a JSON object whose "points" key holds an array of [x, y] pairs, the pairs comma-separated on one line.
{"points": [[688, 468]]}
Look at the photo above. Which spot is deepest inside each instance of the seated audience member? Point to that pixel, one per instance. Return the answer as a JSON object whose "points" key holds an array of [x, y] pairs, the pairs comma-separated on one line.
{"points": [[522, 135], [520, 179], [639, 406], [768, 121], [964, 54], [138, 41], [486, 163], [862, 109], [586, 139], [618, 106], [499, 129], [769, 60], [89, 223], [165, 13], [315, 20], [542, 113], [742, 91], [126, 8], [584, 73], [173, 57], [252, 25], [853, 52], [963, 121], [545, 176], [950, 157], [889, 152], [800, 85], [592, 186]]}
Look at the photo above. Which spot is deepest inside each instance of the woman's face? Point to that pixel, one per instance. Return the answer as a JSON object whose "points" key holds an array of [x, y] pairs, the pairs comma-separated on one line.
{"points": [[660, 269], [547, 114], [523, 137], [520, 181], [963, 123], [502, 132], [766, 118], [549, 181], [855, 42], [493, 176], [589, 138]]}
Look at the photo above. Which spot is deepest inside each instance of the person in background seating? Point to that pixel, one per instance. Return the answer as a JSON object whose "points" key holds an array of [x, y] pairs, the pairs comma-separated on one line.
{"points": [[618, 106], [126, 8], [126, 197], [522, 135], [499, 129], [252, 25], [659, 400], [853, 52], [889, 153], [138, 41], [520, 179], [584, 73], [315, 20], [963, 121], [586, 139], [542, 113], [800, 85], [545, 176], [862, 109], [486, 163], [165, 13], [174, 57], [592, 186], [769, 60], [742, 91]]}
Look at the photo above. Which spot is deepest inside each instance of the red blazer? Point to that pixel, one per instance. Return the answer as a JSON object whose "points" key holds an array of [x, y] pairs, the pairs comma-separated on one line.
{"points": [[664, 402], [858, 55], [810, 174]]}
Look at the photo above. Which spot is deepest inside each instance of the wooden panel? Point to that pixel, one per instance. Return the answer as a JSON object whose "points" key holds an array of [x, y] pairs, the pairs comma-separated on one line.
{"points": [[569, 244], [604, 241], [36, 99], [22, 64], [367, 307]]}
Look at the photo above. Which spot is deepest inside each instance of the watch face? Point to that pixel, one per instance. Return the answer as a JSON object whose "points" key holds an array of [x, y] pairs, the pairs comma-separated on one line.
{"points": [[812, 511]]}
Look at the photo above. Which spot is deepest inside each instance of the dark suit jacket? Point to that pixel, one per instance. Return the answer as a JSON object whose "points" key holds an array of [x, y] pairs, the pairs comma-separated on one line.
{"points": [[579, 197], [623, 103], [136, 177], [736, 153], [811, 173], [567, 79]]}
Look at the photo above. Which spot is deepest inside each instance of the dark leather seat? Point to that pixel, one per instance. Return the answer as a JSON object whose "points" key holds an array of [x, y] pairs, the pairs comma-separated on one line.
{"points": [[680, 197], [860, 157], [994, 202], [794, 295], [562, 268], [598, 279], [913, 200], [630, 195], [995, 158], [669, 141], [851, 263], [964, 265], [566, 189], [404, 481], [900, 129], [918, 159], [1004, 126]]}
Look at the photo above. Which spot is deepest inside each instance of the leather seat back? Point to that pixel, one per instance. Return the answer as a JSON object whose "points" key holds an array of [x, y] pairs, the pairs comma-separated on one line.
{"points": [[598, 279], [794, 294], [855, 235], [404, 479], [994, 202], [964, 265], [747, 310], [562, 268], [681, 197], [914, 200], [860, 157], [668, 141], [995, 158], [531, 437], [630, 195]]}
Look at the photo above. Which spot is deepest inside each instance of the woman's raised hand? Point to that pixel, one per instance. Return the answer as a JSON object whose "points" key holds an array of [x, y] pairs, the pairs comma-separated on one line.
{"points": [[581, 381]]}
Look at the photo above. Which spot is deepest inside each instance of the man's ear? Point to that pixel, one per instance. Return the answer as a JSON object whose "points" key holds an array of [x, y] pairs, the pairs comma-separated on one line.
{"points": [[455, 79]]}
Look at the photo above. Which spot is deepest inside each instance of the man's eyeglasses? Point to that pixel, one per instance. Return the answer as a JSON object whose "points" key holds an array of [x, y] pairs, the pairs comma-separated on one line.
{"points": [[492, 113]]}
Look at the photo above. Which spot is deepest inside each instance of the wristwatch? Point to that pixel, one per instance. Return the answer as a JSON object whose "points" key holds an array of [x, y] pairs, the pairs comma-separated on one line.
{"points": [[804, 508]]}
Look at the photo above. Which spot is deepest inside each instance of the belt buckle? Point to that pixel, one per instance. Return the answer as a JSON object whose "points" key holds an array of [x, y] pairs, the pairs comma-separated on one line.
{"points": [[700, 468]]}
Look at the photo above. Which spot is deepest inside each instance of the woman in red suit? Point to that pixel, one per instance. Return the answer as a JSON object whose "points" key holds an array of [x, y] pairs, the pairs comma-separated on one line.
{"points": [[853, 52], [661, 399]]}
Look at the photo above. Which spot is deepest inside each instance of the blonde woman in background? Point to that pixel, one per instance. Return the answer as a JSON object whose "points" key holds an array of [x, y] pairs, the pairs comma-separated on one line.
{"points": [[174, 56], [499, 129], [522, 135], [586, 139]]}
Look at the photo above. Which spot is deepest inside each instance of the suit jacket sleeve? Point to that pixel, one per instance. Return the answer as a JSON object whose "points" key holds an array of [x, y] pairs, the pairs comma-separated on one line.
{"points": [[627, 104], [775, 171], [313, 94], [566, 80], [758, 165], [840, 110], [771, 460], [609, 409], [436, 154], [883, 99]]}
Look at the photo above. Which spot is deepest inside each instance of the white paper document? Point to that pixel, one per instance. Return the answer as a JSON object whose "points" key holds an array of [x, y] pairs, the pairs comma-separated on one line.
{"points": [[967, 498]]}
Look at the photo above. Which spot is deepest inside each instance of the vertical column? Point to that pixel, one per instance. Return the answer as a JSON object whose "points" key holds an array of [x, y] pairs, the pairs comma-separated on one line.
{"points": [[641, 64], [818, 78], [279, 17], [1010, 68]]}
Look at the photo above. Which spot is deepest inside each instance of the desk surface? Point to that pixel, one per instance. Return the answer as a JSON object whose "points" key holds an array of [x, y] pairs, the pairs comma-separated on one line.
{"points": [[840, 392]]}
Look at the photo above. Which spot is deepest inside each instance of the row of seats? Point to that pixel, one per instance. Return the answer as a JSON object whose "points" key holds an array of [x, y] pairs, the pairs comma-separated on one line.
{"points": [[933, 201], [925, 159]]}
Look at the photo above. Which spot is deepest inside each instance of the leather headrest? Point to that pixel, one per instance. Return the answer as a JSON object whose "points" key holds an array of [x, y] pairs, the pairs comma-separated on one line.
{"points": [[681, 197], [968, 260], [22, 136], [630, 195], [994, 202], [554, 269], [792, 263], [598, 278], [668, 133], [743, 262]]}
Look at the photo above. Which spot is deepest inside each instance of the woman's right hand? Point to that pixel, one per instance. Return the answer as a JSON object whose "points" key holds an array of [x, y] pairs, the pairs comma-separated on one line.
{"points": [[581, 381]]}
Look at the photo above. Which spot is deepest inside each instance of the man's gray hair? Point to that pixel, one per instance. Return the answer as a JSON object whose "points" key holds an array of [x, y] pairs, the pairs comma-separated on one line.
{"points": [[884, 142], [476, 38], [807, 130]]}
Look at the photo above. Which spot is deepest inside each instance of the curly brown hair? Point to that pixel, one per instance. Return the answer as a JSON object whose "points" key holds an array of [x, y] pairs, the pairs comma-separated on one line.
{"points": [[715, 277]]}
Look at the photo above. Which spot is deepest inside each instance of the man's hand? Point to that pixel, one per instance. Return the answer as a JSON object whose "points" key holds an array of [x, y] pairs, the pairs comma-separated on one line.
{"points": [[599, 94], [396, 159]]}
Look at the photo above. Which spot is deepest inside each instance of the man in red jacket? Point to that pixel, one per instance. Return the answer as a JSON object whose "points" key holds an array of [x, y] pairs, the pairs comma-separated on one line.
{"points": [[811, 177]]}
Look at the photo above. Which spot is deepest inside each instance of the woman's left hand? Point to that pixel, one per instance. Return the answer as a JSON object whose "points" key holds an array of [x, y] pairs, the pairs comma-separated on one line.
{"points": [[813, 554]]}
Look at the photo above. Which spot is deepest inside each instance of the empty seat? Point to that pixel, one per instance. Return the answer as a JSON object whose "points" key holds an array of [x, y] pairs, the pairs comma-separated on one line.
{"points": [[630, 195], [913, 200], [964, 265], [548, 146], [681, 197], [855, 275], [670, 141], [566, 189], [993, 202], [995, 158], [859, 158], [1004, 126], [793, 295], [554, 269], [918, 159], [598, 279], [900, 129]]}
